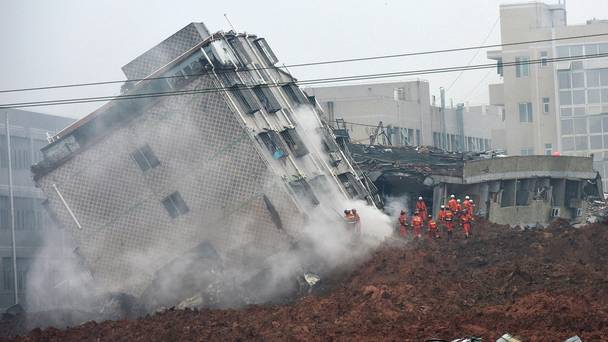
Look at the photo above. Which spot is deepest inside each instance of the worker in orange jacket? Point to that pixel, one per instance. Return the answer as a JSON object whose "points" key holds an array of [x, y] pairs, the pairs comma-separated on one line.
{"points": [[453, 204], [403, 224], [433, 228], [421, 208], [449, 223], [465, 221], [417, 223]]}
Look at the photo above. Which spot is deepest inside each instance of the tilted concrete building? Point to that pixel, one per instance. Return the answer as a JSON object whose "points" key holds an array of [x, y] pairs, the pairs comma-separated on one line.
{"points": [[553, 105], [220, 154], [409, 116]]}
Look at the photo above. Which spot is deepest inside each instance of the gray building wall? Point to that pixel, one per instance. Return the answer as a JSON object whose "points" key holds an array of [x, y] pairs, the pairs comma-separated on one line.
{"points": [[28, 134], [406, 107]]}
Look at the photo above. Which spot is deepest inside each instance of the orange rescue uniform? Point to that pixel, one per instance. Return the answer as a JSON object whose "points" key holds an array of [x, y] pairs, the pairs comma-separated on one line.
{"points": [[417, 224]]}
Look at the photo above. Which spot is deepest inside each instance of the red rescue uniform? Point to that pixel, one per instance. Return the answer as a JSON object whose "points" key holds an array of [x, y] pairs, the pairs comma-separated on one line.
{"points": [[453, 205], [466, 225], [432, 225], [468, 207], [449, 223], [417, 224], [403, 225], [422, 209]]}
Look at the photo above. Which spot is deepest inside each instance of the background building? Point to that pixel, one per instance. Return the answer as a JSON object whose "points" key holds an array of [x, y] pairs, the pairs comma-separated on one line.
{"points": [[553, 107], [411, 116], [28, 134]]}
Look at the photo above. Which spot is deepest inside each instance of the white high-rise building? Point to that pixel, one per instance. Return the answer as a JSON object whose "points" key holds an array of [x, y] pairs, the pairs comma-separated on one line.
{"points": [[553, 106]]}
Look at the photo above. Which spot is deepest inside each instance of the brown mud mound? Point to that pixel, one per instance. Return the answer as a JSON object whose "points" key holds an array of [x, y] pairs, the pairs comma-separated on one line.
{"points": [[542, 285]]}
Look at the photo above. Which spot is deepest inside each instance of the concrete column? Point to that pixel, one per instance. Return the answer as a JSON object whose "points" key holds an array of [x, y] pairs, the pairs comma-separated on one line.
{"points": [[484, 196], [438, 191]]}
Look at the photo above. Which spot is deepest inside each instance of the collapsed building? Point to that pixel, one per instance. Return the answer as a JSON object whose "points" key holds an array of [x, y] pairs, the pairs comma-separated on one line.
{"points": [[207, 146], [518, 190]]}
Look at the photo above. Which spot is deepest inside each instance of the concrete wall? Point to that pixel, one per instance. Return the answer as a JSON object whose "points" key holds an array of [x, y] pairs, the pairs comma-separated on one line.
{"points": [[527, 167]]}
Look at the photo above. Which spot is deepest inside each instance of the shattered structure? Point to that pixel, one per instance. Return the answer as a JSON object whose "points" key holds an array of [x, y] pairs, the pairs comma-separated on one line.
{"points": [[216, 157], [520, 190]]}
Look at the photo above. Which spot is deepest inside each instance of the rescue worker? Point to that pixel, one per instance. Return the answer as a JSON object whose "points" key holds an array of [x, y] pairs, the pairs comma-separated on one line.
{"points": [[465, 220], [453, 204], [403, 224], [465, 203], [417, 223], [356, 220], [441, 215], [433, 228], [421, 208], [348, 216], [449, 223], [469, 208]]}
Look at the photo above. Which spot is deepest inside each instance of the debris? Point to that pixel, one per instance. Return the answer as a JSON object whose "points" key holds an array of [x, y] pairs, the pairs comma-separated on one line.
{"points": [[408, 291], [574, 339], [508, 338], [311, 279]]}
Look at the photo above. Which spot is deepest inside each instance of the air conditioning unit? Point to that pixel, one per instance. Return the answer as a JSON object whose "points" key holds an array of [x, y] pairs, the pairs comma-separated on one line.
{"points": [[554, 212]]}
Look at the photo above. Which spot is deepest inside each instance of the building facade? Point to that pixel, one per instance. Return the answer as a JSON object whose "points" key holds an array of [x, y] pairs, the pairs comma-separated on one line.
{"points": [[409, 116], [555, 93], [233, 161], [28, 134]]}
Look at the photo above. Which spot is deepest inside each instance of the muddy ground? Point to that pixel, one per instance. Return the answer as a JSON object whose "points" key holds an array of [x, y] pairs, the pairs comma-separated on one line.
{"points": [[541, 285]]}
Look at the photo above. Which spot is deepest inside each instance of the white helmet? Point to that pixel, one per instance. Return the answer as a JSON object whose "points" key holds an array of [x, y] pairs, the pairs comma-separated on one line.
{"points": [[466, 197], [471, 201], [452, 196], [442, 206], [420, 198], [458, 200]]}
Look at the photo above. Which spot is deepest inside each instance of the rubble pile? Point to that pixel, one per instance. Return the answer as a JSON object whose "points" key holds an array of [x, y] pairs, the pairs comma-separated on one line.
{"points": [[540, 285]]}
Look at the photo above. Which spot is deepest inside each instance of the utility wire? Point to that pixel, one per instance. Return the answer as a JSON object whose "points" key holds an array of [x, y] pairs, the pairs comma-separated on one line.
{"points": [[475, 55], [301, 83], [429, 52]]}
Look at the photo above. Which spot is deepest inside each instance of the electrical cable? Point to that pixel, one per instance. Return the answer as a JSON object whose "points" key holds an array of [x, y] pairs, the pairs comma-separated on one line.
{"points": [[300, 83], [429, 52]]}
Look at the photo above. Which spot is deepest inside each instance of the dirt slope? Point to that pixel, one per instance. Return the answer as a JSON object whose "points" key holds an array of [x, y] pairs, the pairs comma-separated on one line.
{"points": [[544, 285]]}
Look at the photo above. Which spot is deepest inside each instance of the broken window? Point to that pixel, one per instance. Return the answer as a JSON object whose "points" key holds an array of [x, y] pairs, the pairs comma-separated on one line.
{"points": [[507, 198], [294, 93], [267, 98], [292, 138], [242, 48], [220, 54], [246, 99], [522, 193], [264, 48], [304, 190], [273, 143], [175, 205], [348, 181], [145, 158]]}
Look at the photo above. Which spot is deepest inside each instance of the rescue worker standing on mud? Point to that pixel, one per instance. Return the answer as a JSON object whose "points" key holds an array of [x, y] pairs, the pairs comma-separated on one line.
{"points": [[465, 221], [441, 216], [403, 224], [449, 223], [421, 208], [432, 225], [453, 204], [417, 223]]}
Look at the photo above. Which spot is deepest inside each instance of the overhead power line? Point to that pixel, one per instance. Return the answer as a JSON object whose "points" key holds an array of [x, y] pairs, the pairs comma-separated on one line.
{"points": [[301, 83], [336, 61], [475, 55]]}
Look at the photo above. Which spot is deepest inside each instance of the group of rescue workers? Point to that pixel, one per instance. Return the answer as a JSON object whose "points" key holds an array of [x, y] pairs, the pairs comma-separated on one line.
{"points": [[455, 213]]}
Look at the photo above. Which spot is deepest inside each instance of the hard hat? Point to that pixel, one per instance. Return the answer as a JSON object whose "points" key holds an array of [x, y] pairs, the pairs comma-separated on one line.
{"points": [[452, 196], [442, 206], [402, 212], [420, 198], [466, 197], [471, 201], [458, 200], [430, 216]]}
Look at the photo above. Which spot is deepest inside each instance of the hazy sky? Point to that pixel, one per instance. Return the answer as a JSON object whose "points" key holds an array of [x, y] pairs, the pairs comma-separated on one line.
{"points": [[71, 41]]}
